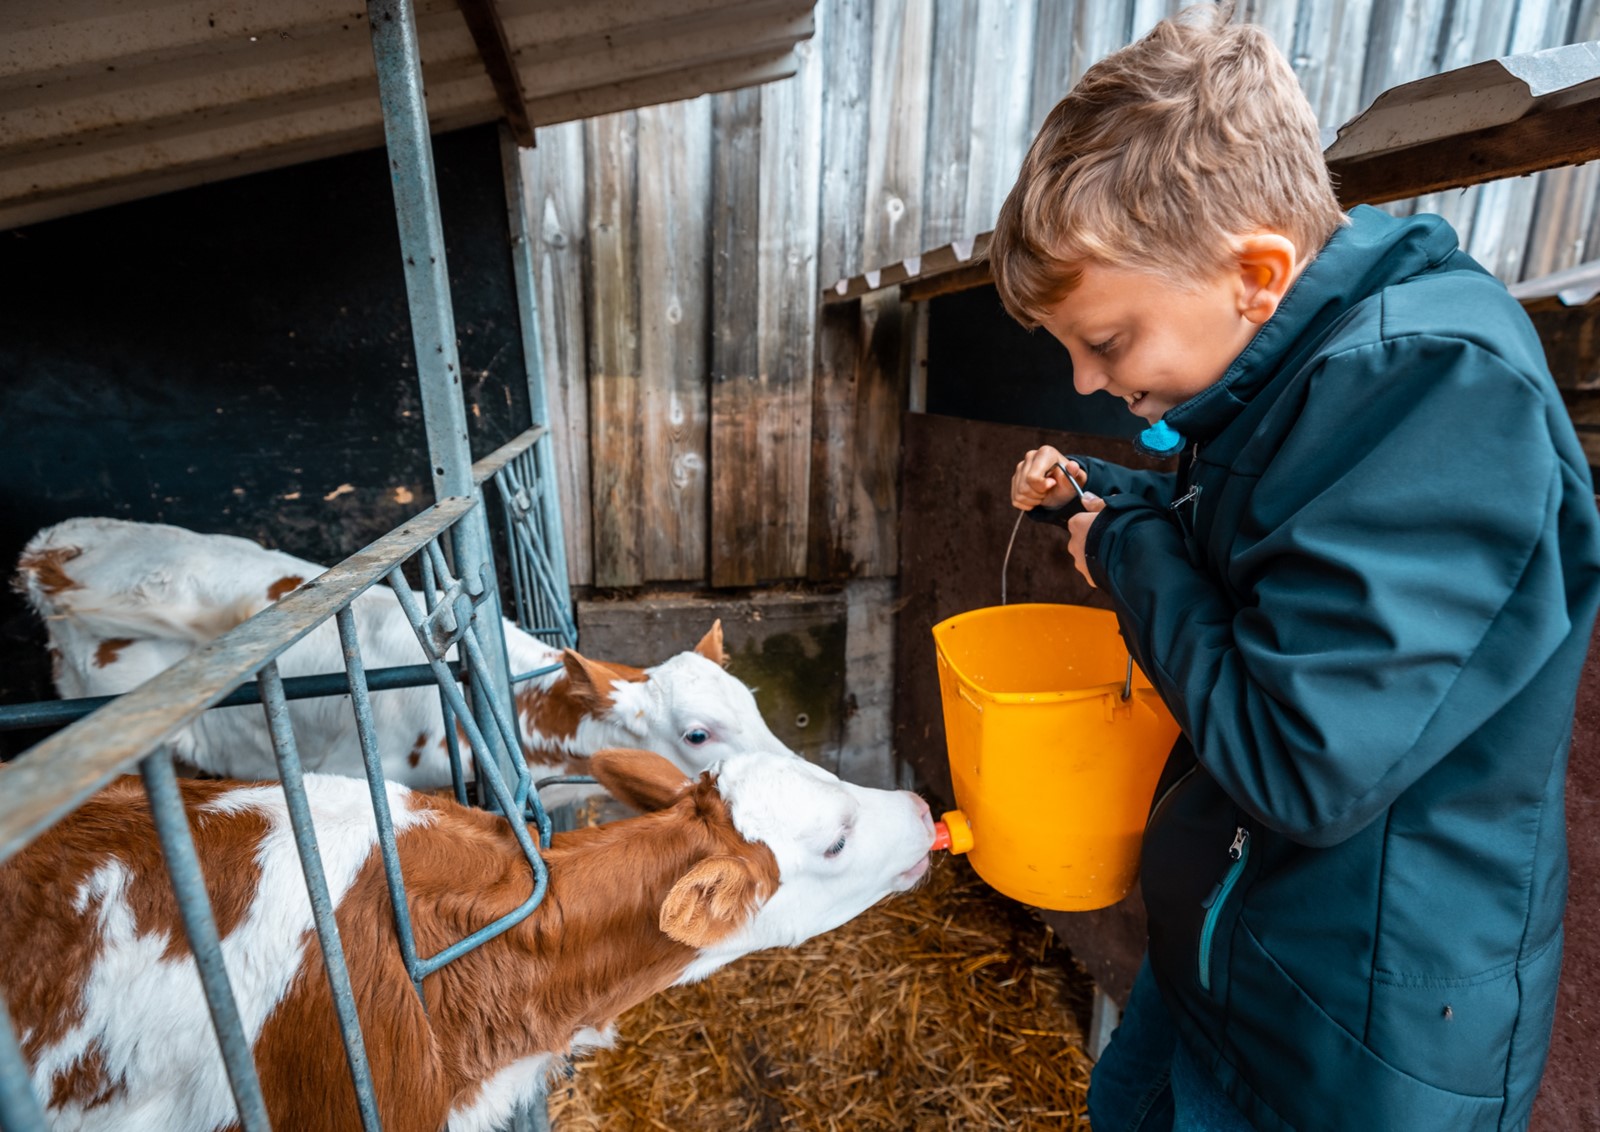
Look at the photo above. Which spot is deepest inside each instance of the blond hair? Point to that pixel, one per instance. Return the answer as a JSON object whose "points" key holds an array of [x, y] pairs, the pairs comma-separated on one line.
{"points": [[1162, 152]]}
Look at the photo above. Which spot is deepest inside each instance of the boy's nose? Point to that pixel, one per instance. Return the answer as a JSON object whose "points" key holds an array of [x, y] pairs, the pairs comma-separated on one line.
{"points": [[1087, 379]]}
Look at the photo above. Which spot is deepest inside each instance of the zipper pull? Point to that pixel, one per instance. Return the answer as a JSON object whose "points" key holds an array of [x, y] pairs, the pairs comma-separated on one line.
{"points": [[1191, 494], [1236, 850]]}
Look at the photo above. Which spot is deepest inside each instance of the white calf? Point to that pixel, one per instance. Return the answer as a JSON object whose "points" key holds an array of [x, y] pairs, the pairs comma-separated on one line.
{"points": [[123, 601], [763, 851]]}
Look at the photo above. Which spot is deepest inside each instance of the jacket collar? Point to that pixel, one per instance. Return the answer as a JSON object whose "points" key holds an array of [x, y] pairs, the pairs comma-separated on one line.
{"points": [[1372, 252]]}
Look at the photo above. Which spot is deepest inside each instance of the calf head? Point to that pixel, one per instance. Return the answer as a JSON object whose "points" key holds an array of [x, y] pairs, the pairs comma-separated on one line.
{"points": [[795, 850], [688, 708]]}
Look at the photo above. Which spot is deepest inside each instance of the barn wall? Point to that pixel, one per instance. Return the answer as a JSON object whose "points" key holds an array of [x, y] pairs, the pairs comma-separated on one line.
{"points": [[237, 358], [702, 440]]}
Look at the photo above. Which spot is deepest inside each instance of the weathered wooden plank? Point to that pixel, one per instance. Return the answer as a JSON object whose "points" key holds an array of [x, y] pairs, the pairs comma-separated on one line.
{"points": [[839, 358], [786, 273], [861, 396], [874, 543], [736, 491], [553, 174], [489, 33], [1571, 338], [1099, 29], [1563, 210], [999, 120], [1328, 56], [844, 28], [951, 121], [1053, 24], [674, 171], [866, 748], [617, 434], [902, 39]]}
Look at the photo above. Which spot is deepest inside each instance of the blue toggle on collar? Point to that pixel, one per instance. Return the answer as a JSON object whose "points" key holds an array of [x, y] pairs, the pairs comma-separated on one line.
{"points": [[1160, 439]]}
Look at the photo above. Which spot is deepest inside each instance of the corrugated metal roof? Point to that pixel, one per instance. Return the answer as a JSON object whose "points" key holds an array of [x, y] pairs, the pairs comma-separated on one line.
{"points": [[105, 101]]}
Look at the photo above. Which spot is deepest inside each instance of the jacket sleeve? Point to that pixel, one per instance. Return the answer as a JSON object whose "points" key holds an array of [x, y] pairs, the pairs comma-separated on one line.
{"points": [[1392, 585], [1107, 479]]}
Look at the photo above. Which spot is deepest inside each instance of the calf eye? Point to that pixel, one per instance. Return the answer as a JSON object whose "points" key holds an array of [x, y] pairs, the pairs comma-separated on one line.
{"points": [[696, 736], [836, 848]]}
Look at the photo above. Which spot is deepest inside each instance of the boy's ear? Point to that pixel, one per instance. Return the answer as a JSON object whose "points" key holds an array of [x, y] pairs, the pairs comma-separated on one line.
{"points": [[640, 779], [710, 901], [1268, 263]]}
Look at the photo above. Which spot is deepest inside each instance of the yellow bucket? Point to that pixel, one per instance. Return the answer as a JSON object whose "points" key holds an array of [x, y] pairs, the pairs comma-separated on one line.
{"points": [[1053, 769]]}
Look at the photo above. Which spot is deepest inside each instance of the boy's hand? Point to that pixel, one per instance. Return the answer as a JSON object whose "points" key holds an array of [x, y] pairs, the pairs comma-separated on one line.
{"points": [[1078, 528], [1038, 482]]}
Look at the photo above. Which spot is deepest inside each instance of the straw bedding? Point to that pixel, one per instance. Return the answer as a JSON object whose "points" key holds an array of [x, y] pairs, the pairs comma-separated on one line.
{"points": [[947, 1007]]}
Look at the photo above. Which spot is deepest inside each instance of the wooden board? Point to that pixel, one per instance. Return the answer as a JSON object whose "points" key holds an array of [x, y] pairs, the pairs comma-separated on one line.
{"points": [[844, 30], [902, 40], [554, 175], [673, 194], [617, 421], [861, 393], [736, 490]]}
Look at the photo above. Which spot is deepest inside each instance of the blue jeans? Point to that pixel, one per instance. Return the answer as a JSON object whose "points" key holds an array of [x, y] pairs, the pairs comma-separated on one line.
{"points": [[1146, 1081]]}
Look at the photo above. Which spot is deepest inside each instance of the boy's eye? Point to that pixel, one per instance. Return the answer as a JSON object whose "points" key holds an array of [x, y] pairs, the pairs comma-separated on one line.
{"points": [[1103, 348]]}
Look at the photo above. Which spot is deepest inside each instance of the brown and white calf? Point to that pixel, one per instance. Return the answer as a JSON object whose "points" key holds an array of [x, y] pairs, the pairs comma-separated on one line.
{"points": [[123, 601], [762, 851]]}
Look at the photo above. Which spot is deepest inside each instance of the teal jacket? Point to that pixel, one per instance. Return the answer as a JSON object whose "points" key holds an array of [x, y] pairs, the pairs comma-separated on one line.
{"points": [[1366, 595]]}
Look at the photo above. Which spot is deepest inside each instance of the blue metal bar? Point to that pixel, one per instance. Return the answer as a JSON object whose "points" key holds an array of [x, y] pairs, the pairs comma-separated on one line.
{"points": [[488, 773], [524, 271], [367, 732], [305, 841], [433, 326], [19, 1108], [452, 744], [194, 905], [59, 713], [535, 673]]}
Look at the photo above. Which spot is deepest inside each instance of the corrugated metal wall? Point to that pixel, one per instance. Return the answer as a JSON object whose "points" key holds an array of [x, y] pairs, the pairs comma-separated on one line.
{"points": [[683, 245]]}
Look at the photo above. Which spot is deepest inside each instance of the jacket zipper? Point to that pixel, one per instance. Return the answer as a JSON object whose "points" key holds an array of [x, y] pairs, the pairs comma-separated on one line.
{"points": [[1238, 853]]}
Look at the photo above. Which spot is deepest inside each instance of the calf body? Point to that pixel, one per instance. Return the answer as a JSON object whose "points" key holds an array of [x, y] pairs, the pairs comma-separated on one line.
{"points": [[122, 601], [764, 851]]}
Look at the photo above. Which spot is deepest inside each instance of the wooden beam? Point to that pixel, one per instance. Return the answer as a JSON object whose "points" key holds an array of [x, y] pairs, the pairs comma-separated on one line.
{"points": [[489, 33], [736, 386], [1567, 135], [617, 426]]}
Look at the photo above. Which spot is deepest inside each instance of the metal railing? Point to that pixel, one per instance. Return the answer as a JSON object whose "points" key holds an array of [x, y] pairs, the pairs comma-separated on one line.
{"points": [[538, 579], [52, 779]]}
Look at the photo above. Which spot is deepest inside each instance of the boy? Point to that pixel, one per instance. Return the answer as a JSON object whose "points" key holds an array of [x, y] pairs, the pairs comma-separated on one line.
{"points": [[1366, 595]]}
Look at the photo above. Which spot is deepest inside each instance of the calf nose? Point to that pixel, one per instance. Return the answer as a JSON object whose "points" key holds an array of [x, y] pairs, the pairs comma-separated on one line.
{"points": [[920, 808]]}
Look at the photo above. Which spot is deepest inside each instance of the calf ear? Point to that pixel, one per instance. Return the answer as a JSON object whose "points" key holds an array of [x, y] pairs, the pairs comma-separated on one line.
{"points": [[590, 679], [710, 901], [641, 779], [710, 645]]}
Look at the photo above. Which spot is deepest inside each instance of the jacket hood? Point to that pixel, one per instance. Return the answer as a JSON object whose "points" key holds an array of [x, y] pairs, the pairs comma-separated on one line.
{"points": [[1374, 251]]}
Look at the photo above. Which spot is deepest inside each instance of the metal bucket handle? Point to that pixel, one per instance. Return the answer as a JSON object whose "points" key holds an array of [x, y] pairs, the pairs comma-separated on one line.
{"points": [[1005, 566]]}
